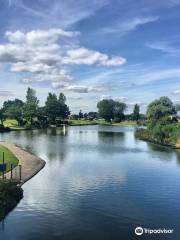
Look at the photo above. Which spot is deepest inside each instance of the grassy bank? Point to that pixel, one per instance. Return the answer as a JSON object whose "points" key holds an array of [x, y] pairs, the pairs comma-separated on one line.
{"points": [[81, 122], [168, 135], [9, 158], [13, 124], [10, 195], [100, 122]]}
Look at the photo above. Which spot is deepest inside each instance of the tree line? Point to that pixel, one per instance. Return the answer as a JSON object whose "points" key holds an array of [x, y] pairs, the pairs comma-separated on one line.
{"points": [[24, 112], [28, 113]]}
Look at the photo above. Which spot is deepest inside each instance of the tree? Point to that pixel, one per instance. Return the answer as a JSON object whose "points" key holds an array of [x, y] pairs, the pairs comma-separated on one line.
{"points": [[62, 98], [51, 106], [92, 115], [106, 109], [63, 109], [56, 107], [136, 112], [160, 110], [31, 105], [74, 116], [13, 109], [118, 111], [85, 115], [2, 116], [110, 109], [80, 115]]}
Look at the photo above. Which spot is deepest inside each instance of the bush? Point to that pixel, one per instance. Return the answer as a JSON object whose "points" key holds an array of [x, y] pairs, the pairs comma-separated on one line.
{"points": [[10, 195], [28, 126], [4, 129], [163, 134]]}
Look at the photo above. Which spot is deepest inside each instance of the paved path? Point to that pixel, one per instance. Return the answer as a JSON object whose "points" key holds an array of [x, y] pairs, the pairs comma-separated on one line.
{"points": [[31, 164]]}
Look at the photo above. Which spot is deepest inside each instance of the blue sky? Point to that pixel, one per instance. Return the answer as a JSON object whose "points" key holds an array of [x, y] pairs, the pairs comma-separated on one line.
{"points": [[122, 49]]}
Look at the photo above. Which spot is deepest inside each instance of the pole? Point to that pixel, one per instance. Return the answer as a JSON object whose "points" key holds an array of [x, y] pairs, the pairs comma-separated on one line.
{"points": [[3, 165], [11, 171], [20, 168]]}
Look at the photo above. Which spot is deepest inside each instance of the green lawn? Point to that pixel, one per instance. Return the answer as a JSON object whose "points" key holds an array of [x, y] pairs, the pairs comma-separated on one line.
{"points": [[8, 157], [82, 122], [101, 122], [126, 123], [10, 123]]}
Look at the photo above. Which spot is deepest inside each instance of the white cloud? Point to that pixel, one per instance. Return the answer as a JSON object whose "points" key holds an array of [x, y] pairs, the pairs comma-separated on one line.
{"points": [[43, 56], [163, 47], [105, 97], [83, 89], [86, 56], [39, 36], [138, 102], [6, 94], [61, 13], [58, 78], [123, 27], [119, 99], [30, 67], [177, 91]]}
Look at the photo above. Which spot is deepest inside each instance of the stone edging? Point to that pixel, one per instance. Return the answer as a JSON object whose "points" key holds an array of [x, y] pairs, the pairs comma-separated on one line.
{"points": [[30, 163]]}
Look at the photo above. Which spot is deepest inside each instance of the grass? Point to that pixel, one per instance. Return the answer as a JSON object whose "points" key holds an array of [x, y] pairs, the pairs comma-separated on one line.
{"points": [[126, 123], [81, 122], [166, 135], [9, 158], [12, 124], [101, 122]]}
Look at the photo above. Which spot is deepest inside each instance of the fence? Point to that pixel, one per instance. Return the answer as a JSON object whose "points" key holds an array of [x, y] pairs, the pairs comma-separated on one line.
{"points": [[9, 171]]}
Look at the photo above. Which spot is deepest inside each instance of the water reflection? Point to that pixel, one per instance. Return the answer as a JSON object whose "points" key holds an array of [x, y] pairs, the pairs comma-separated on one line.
{"points": [[99, 183], [109, 137]]}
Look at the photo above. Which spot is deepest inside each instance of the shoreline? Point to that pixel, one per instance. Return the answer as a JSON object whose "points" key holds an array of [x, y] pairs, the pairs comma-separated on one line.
{"points": [[160, 144], [149, 140], [30, 163]]}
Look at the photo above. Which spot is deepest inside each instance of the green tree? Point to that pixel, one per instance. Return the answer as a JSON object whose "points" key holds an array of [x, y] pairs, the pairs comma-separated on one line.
{"points": [[92, 115], [13, 109], [106, 109], [56, 107], [63, 109], [118, 111], [30, 107], [159, 115], [136, 112], [51, 106], [2, 116], [80, 115], [110, 109], [160, 110]]}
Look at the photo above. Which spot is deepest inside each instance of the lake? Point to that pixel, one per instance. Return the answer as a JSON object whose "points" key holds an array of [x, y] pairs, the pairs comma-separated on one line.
{"points": [[99, 183]]}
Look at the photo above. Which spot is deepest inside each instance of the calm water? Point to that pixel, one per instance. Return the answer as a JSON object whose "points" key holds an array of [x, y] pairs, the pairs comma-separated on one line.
{"points": [[99, 183]]}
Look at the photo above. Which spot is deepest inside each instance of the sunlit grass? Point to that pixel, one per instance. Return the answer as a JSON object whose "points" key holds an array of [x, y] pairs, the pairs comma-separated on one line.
{"points": [[9, 158], [10, 123]]}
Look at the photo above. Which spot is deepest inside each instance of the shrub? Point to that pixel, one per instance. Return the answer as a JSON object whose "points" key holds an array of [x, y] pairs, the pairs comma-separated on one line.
{"points": [[10, 195]]}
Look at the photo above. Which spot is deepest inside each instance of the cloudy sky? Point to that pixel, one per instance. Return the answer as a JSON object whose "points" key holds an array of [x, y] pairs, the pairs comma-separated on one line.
{"points": [[122, 49]]}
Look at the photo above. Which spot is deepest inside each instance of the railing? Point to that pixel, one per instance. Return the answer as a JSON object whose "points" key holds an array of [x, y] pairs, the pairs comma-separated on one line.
{"points": [[14, 173]]}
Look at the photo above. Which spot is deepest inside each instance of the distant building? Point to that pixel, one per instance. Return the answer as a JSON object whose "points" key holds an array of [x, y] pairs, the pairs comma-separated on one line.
{"points": [[176, 116]]}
